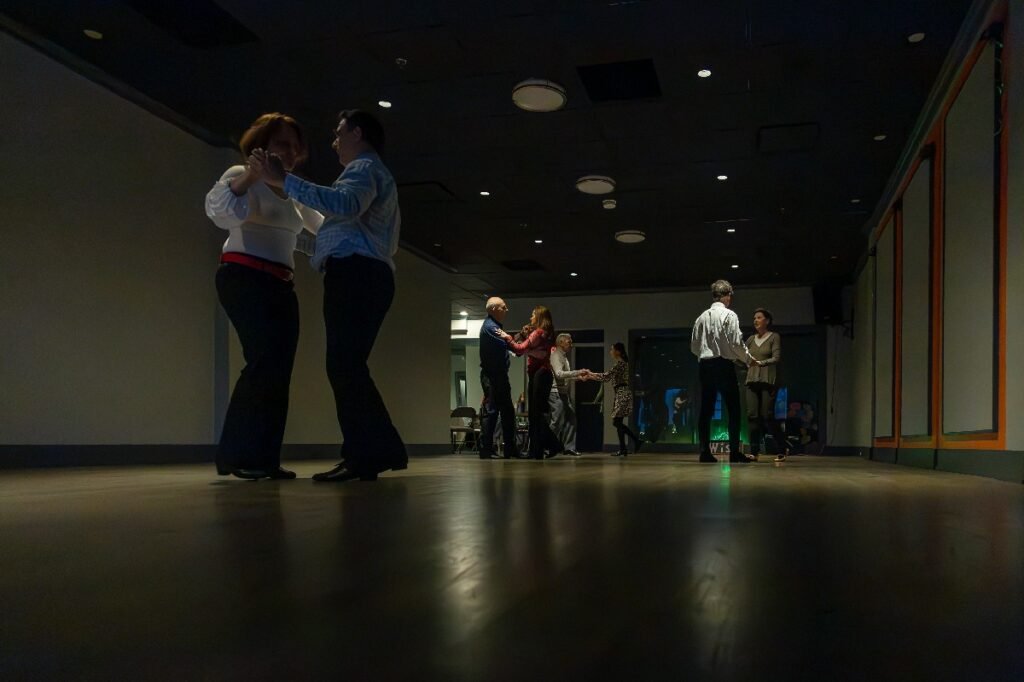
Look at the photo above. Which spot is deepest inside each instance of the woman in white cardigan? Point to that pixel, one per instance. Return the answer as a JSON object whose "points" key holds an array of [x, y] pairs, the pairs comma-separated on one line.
{"points": [[254, 285]]}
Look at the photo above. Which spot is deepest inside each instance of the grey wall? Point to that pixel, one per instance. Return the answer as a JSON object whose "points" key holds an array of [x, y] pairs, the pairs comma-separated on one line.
{"points": [[107, 298], [915, 323], [885, 263], [969, 271], [107, 267]]}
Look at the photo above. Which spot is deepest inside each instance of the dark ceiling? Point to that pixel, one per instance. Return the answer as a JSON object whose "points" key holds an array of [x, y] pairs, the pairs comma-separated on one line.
{"points": [[798, 90]]}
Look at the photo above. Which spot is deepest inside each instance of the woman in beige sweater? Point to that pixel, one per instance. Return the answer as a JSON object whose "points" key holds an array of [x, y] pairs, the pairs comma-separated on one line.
{"points": [[762, 378]]}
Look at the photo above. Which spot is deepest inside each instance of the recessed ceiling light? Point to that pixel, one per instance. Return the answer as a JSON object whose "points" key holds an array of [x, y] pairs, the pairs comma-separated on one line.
{"points": [[95, 35], [463, 313], [485, 194], [537, 94], [436, 245], [833, 257], [723, 177], [854, 201], [880, 137], [609, 204], [538, 241], [630, 236], [704, 73], [384, 104], [574, 274], [915, 37], [595, 184], [731, 229], [735, 267]]}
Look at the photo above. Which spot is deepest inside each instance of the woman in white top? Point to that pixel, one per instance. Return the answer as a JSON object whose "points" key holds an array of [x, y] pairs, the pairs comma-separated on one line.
{"points": [[254, 285]]}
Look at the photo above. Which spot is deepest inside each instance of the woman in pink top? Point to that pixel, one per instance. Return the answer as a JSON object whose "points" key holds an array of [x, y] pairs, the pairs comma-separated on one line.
{"points": [[536, 341]]}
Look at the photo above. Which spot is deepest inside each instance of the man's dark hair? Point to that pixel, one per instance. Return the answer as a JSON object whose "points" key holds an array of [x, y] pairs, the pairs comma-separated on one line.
{"points": [[373, 131]]}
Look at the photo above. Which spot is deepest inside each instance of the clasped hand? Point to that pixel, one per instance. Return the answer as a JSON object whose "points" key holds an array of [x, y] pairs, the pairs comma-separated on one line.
{"points": [[267, 167]]}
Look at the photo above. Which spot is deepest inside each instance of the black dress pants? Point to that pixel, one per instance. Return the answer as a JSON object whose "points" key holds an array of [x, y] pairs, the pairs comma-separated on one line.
{"points": [[265, 313], [541, 436], [718, 375], [761, 417], [358, 292], [498, 404]]}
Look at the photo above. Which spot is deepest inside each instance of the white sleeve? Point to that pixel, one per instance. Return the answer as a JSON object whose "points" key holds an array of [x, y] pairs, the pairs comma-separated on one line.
{"points": [[311, 220], [735, 338], [224, 207]]}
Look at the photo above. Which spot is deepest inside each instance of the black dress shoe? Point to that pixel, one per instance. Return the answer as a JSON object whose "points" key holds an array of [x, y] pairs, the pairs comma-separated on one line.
{"points": [[573, 453], [281, 474], [348, 470], [223, 470], [552, 453], [252, 474], [344, 472], [491, 455], [707, 459], [742, 459]]}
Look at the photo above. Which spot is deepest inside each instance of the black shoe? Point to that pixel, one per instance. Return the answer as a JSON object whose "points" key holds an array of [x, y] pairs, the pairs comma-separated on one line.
{"points": [[344, 472], [573, 453], [347, 470], [742, 459], [552, 453], [707, 458], [620, 453], [281, 474], [780, 458], [489, 455], [252, 474]]}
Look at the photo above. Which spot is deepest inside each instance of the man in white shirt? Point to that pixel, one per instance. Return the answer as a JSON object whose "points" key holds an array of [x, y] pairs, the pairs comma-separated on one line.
{"points": [[718, 343], [563, 415]]}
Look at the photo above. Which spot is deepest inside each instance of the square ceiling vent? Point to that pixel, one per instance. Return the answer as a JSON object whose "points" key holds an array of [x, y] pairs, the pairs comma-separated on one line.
{"points": [[617, 81]]}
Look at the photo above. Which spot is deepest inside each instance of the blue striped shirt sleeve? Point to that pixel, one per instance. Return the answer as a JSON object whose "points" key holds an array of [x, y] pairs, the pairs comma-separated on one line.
{"points": [[350, 196]]}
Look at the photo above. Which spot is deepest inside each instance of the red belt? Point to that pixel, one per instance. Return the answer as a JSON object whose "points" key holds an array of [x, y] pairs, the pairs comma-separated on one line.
{"points": [[282, 272]]}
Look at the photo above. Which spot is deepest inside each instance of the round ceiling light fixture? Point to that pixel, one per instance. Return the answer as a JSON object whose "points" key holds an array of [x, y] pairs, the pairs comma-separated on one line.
{"points": [[537, 94], [915, 38], [630, 236], [384, 104], [704, 73], [609, 204], [95, 35], [464, 313], [879, 137], [595, 184]]}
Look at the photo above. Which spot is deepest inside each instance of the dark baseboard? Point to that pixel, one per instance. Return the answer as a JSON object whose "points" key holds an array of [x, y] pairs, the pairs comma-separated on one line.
{"points": [[48, 456], [1006, 465], [922, 458], [886, 455], [846, 451]]}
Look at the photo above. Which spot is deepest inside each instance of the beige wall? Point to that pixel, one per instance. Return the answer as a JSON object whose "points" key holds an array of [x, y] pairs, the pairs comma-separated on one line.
{"points": [[410, 362], [849, 369], [109, 313], [106, 273], [617, 314]]}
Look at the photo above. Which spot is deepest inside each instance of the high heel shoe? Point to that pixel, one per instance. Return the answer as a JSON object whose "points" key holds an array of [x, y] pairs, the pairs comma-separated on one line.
{"points": [[620, 453]]}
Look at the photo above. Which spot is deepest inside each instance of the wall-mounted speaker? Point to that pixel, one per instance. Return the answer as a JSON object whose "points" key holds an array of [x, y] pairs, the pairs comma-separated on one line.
{"points": [[828, 304]]}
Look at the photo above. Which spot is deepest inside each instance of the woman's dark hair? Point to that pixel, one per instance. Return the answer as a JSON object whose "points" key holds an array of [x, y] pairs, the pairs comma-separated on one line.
{"points": [[621, 347], [767, 314], [265, 127], [544, 320], [373, 131]]}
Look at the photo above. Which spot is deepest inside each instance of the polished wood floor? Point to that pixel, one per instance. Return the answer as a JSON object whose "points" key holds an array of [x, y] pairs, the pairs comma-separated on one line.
{"points": [[461, 569]]}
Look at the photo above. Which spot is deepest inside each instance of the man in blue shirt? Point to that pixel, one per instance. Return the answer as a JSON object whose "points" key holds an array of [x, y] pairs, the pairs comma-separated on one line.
{"points": [[494, 364], [355, 250]]}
